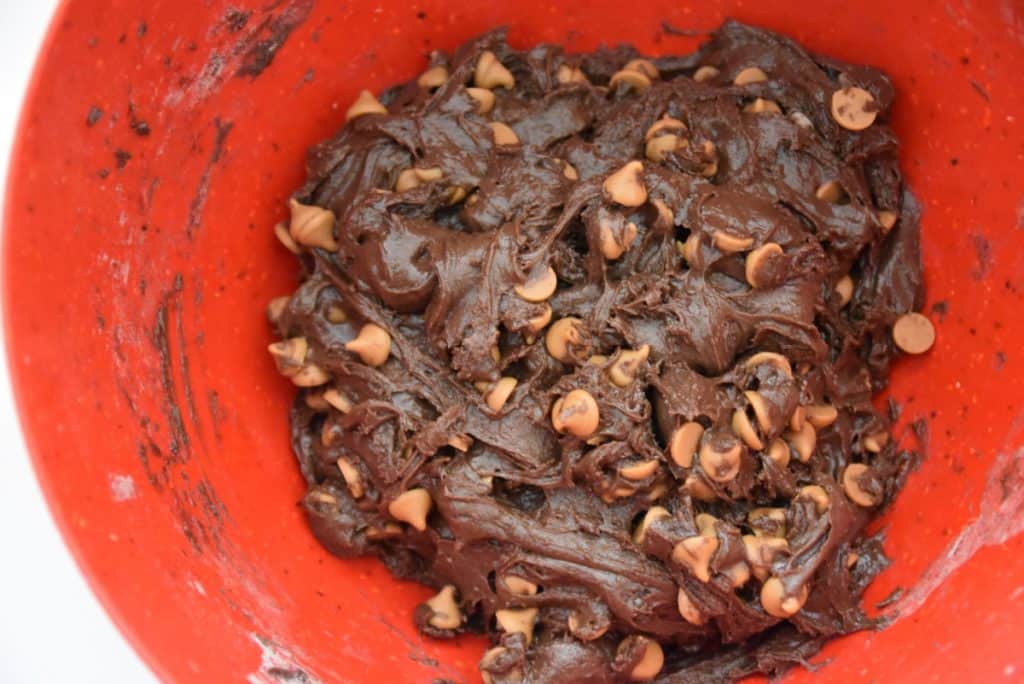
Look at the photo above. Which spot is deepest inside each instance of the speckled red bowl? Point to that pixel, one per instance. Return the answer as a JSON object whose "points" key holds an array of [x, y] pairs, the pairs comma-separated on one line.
{"points": [[156, 150]]}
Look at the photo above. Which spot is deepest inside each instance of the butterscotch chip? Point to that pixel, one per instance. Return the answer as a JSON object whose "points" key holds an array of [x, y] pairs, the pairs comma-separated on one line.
{"points": [[887, 219], [517, 620], [412, 507], [626, 186], [759, 265], [372, 345], [623, 370], [687, 609], [639, 471], [854, 108], [749, 75], [503, 134], [434, 77], [500, 392], [644, 66], [490, 73], [576, 413], [780, 603], [653, 514], [822, 415], [696, 553], [913, 333], [562, 333], [831, 192], [651, 662], [539, 286], [844, 288], [852, 485], [569, 74], [683, 445], [484, 99], [365, 104], [762, 106], [444, 610], [720, 461], [730, 244], [636, 80], [705, 73]]}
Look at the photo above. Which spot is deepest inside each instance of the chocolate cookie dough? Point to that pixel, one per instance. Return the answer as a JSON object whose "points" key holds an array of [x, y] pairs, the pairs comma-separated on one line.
{"points": [[588, 343]]}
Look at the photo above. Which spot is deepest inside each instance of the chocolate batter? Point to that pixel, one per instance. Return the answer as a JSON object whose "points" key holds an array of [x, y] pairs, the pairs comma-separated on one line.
{"points": [[588, 343]]}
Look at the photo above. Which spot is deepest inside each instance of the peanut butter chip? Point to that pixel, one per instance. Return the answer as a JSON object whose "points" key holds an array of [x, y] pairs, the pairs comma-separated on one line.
{"points": [[720, 463], [750, 75], [615, 240], [644, 66], [887, 219], [503, 134], [517, 620], [576, 413], [372, 345], [803, 441], [758, 266], [730, 244], [412, 507], [490, 73], [276, 308], [460, 442], [365, 103], [761, 553], [624, 368], [778, 602], [854, 108], [832, 192], [539, 286], [653, 514], [687, 609], [311, 375], [639, 471], [561, 334], [822, 415], [762, 410], [637, 80], [772, 359], [762, 106], [844, 288], [696, 553], [913, 333], [312, 226], [520, 586], [499, 394], [626, 186], [683, 444], [652, 661], [657, 147], [289, 355], [818, 495], [281, 231], [352, 478], [851, 485], [434, 77], [705, 73], [445, 611], [484, 99], [568, 74], [744, 430], [338, 400], [778, 453]]}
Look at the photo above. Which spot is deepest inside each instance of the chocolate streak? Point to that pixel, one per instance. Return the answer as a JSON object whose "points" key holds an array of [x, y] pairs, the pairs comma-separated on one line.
{"points": [[553, 509]]}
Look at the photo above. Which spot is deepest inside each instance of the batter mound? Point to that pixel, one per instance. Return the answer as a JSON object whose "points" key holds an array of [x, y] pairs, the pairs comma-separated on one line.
{"points": [[588, 343]]}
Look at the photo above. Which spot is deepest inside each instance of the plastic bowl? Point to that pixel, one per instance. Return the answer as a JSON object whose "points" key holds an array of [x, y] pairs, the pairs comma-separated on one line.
{"points": [[156, 150]]}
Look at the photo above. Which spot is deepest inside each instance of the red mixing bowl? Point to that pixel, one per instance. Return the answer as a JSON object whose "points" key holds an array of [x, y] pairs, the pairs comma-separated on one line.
{"points": [[157, 148]]}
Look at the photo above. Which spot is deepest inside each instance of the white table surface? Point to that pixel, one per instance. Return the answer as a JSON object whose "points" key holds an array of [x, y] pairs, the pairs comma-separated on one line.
{"points": [[52, 629]]}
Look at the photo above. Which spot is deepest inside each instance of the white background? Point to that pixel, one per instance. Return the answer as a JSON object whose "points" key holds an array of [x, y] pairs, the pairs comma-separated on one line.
{"points": [[52, 629]]}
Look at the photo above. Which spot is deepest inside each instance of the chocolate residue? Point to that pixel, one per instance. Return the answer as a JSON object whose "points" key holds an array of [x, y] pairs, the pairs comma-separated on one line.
{"points": [[195, 210], [526, 516], [235, 19], [122, 157], [275, 32], [983, 252], [94, 115]]}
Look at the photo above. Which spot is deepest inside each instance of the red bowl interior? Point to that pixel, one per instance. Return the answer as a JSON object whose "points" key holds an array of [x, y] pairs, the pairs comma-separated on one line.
{"points": [[137, 268]]}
